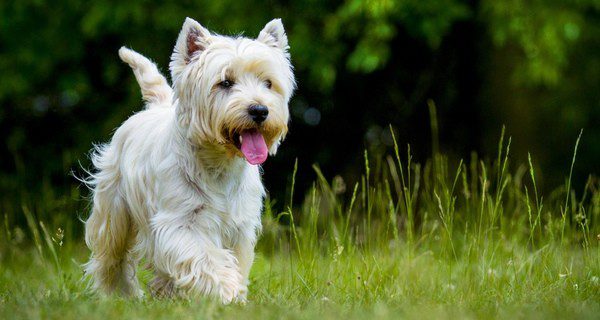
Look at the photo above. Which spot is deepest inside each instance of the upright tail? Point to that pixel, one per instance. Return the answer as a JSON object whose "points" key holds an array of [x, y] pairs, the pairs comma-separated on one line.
{"points": [[155, 88]]}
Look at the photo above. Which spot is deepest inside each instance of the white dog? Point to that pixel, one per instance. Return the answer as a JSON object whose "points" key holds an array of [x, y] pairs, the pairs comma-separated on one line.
{"points": [[179, 183]]}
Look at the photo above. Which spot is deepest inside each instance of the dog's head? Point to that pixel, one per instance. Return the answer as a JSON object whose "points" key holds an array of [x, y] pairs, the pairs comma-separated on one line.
{"points": [[233, 91]]}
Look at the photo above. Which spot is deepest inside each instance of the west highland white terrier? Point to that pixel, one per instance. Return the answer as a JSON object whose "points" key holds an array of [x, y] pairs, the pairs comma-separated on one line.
{"points": [[179, 184]]}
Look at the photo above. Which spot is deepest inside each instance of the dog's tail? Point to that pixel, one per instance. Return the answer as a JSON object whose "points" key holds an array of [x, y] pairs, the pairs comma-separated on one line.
{"points": [[155, 88]]}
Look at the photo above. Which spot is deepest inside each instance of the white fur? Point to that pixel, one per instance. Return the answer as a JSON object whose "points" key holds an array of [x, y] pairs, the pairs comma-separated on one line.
{"points": [[171, 186]]}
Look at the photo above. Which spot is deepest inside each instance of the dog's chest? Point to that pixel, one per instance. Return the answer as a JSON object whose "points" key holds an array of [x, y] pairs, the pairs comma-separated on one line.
{"points": [[234, 209]]}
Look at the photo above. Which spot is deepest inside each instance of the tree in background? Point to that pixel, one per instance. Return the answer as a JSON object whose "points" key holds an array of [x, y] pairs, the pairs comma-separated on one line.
{"points": [[361, 65]]}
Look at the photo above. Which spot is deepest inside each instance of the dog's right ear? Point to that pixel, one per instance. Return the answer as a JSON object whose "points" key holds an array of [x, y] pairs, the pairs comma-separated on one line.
{"points": [[192, 40]]}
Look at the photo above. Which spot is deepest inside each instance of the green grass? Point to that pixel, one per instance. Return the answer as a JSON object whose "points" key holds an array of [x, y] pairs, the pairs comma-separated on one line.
{"points": [[472, 239]]}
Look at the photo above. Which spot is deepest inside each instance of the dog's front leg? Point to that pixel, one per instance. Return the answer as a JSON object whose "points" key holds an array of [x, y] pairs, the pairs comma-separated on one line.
{"points": [[244, 252], [187, 257]]}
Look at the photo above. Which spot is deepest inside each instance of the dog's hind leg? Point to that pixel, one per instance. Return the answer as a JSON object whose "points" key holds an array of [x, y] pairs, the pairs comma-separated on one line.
{"points": [[110, 235]]}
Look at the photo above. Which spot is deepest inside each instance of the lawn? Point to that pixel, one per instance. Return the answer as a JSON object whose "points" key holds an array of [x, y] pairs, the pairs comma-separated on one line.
{"points": [[442, 239]]}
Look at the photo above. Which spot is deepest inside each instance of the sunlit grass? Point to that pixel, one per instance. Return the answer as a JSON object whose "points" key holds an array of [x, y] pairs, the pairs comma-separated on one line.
{"points": [[473, 238]]}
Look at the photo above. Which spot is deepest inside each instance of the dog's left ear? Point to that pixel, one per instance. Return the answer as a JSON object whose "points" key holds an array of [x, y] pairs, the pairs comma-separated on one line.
{"points": [[274, 35]]}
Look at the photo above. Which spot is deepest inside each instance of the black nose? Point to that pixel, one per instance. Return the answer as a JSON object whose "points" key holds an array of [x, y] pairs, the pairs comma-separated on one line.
{"points": [[258, 113]]}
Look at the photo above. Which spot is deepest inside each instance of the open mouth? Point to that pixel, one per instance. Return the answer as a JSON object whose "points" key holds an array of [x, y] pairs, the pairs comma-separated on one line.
{"points": [[252, 145]]}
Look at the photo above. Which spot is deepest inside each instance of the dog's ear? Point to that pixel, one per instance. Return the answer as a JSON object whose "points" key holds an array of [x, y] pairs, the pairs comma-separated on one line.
{"points": [[192, 40], [274, 35]]}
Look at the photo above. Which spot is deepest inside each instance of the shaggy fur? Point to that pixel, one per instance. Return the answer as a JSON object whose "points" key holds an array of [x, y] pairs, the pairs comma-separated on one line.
{"points": [[173, 185]]}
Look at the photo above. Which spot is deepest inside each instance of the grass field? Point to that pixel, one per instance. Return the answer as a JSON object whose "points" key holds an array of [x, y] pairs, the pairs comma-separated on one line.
{"points": [[472, 239]]}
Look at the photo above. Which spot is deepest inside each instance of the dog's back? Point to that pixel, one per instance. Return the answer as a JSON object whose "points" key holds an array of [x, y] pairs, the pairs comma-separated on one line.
{"points": [[118, 209]]}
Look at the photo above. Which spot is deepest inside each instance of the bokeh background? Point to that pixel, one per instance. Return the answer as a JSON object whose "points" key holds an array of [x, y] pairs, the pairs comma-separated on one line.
{"points": [[533, 66]]}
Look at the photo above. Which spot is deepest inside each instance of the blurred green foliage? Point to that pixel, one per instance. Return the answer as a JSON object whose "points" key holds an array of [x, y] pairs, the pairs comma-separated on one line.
{"points": [[40, 39], [543, 30], [361, 65]]}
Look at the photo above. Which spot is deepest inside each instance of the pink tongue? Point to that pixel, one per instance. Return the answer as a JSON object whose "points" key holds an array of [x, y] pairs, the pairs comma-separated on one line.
{"points": [[254, 147]]}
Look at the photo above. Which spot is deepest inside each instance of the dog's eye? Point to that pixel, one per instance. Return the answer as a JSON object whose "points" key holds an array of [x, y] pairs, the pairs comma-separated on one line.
{"points": [[269, 84], [226, 84]]}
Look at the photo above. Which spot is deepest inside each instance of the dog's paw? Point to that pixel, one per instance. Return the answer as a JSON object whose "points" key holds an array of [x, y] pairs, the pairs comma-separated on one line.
{"points": [[231, 287], [242, 297], [162, 287]]}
